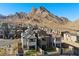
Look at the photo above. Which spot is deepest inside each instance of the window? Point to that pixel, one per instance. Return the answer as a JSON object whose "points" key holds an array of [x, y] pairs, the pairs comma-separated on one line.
{"points": [[43, 39], [32, 40], [32, 47]]}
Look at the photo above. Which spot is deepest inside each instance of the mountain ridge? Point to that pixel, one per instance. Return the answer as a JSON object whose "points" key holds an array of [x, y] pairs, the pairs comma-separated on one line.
{"points": [[40, 17]]}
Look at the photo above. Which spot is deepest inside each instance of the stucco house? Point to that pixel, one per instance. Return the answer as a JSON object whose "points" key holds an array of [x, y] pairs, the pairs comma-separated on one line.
{"points": [[28, 39], [71, 36], [45, 40]]}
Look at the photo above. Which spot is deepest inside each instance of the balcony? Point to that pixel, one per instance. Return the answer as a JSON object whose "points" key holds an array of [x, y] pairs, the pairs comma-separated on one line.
{"points": [[31, 43]]}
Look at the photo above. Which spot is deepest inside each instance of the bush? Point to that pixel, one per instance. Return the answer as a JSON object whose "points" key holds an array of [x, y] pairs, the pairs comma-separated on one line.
{"points": [[30, 53], [50, 49]]}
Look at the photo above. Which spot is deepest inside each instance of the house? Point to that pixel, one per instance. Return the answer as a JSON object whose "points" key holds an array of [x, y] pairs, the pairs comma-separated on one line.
{"points": [[45, 40], [33, 38], [29, 40], [71, 36], [57, 42], [5, 29]]}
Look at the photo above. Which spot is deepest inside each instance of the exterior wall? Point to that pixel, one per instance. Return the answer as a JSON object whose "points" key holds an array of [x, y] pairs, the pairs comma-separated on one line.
{"points": [[31, 43], [52, 41], [23, 41], [48, 42], [73, 38], [66, 36], [26, 42], [70, 37], [58, 40], [44, 42], [71, 50]]}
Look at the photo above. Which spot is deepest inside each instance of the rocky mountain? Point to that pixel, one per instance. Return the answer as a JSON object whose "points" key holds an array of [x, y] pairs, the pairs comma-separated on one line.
{"points": [[43, 13], [73, 25], [41, 17], [64, 20]]}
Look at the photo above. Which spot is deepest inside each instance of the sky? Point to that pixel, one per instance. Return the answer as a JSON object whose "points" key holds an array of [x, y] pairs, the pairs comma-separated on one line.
{"points": [[69, 10]]}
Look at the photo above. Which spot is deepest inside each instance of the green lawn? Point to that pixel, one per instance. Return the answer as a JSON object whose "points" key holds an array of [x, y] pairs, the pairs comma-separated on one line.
{"points": [[31, 53], [50, 49]]}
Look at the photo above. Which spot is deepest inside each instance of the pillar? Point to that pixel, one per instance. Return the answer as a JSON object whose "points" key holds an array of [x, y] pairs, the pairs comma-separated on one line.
{"points": [[71, 50]]}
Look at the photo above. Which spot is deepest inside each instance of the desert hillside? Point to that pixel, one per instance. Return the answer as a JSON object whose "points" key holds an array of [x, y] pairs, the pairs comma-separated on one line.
{"points": [[41, 17]]}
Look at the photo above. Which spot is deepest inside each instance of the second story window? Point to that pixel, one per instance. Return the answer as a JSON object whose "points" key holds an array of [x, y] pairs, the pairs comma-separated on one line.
{"points": [[32, 40], [43, 39]]}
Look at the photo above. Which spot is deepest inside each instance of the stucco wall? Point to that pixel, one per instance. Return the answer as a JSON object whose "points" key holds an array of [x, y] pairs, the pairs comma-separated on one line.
{"points": [[70, 37]]}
